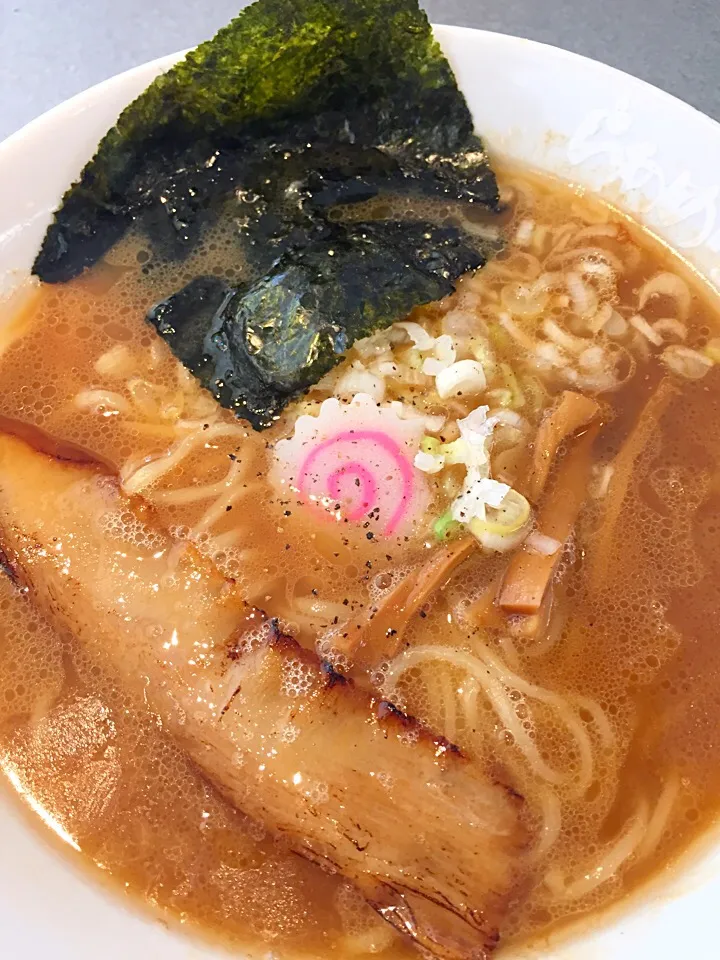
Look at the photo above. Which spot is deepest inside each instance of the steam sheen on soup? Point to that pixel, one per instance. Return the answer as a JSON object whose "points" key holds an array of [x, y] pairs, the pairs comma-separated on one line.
{"points": [[533, 462]]}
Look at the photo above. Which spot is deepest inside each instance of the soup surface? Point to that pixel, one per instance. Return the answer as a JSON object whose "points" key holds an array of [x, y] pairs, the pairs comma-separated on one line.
{"points": [[600, 703]]}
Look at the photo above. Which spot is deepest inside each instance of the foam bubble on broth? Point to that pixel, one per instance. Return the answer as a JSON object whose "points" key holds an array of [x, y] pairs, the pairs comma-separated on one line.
{"points": [[641, 648]]}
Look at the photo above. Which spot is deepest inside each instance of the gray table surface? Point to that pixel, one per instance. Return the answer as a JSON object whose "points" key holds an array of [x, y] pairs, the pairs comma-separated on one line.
{"points": [[51, 49]]}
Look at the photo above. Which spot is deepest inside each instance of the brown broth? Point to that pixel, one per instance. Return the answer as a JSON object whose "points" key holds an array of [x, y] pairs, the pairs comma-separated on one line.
{"points": [[639, 639]]}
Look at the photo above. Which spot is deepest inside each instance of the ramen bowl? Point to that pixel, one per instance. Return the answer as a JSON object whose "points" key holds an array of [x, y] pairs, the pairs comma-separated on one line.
{"points": [[653, 156]]}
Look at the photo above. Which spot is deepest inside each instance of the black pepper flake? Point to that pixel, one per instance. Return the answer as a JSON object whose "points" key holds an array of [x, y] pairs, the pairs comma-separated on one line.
{"points": [[287, 546], [388, 557], [346, 602], [206, 426], [423, 614], [228, 508], [357, 481], [231, 456], [287, 513], [370, 535], [368, 564], [390, 632]]}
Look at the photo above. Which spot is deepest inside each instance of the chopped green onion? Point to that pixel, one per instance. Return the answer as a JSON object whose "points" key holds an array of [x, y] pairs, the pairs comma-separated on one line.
{"points": [[480, 349], [413, 359], [455, 452], [430, 445], [512, 514], [445, 527]]}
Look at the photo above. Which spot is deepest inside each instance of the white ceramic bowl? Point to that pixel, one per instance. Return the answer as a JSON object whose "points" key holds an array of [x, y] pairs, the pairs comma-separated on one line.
{"points": [[656, 157]]}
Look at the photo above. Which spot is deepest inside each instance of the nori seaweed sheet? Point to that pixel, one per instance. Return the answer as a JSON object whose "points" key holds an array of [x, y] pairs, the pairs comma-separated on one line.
{"points": [[295, 109], [259, 347]]}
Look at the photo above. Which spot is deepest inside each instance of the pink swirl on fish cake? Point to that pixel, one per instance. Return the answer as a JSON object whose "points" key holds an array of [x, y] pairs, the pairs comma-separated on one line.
{"points": [[368, 487], [354, 462], [374, 442]]}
